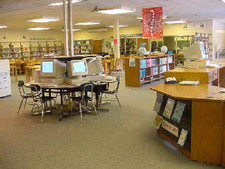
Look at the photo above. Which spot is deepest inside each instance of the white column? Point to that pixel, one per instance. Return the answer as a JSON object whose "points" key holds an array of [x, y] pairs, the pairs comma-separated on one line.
{"points": [[71, 27], [66, 44], [116, 39]]}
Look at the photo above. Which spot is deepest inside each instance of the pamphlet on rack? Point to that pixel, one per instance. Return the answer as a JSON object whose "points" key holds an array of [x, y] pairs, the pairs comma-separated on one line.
{"points": [[158, 121], [169, 108], [178, 111], [183, 137], [158, 102]]}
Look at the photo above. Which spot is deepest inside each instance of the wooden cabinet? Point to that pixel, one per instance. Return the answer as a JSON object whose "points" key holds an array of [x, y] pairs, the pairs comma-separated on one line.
{"points": [[205, 113], [148, 69]]}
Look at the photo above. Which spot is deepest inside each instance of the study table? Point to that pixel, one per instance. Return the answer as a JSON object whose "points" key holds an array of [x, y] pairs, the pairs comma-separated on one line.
{"points": [[63, 89], [203, 118]]}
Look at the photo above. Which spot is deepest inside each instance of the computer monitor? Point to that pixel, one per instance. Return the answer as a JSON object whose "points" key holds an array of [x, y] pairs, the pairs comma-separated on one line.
{"points": [[195, 52], [95, 66], [52, 68], [77, 68]]}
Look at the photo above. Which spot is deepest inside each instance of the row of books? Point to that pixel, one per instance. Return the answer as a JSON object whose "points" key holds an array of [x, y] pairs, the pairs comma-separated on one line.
{"points": [[144, 63], [170, 59], [163, 69], [161, 122], [163, 60]]}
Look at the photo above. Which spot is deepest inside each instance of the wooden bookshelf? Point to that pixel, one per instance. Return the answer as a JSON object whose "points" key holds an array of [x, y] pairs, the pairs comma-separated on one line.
{"points": [[30, 49], [147, 69]]}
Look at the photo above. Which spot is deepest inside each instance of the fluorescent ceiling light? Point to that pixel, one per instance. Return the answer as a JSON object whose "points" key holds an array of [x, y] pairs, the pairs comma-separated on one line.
{"points": [[223, 1], [3, 26], [174, 22], [61, 3], [37, 29], [121, 26], [44, 20], [87, 23], [73, 30], [121, 10]]}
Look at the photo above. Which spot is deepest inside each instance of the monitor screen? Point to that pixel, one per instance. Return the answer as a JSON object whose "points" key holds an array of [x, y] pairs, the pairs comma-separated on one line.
{"points": [[79, 66], [47, 67]]}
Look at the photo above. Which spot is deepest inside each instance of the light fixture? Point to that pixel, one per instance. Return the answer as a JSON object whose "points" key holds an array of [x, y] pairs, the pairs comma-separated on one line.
{"points": [[3, 26], [121, 10], [223, 1], [73, 30], [121, 26], [44, 20], [174, 22], [61, 3], [87, 23], [37, 29]]}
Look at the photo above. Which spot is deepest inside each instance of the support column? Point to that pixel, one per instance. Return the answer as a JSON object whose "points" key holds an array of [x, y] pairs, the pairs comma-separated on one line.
{"points": [[116, 39], [66, 44], [71, 27]]}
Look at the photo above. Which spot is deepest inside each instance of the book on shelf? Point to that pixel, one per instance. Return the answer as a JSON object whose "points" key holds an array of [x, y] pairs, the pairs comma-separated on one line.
{"points": [[158, 102], [183, 137], [158, 121], [169, 108], [178, 111]]}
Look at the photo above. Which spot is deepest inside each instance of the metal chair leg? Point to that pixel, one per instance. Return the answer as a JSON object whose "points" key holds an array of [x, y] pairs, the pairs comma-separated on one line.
{"points": [[20, 106], [96, 112], [81, 116], [118, 100], [42, 113], [25, 105]]}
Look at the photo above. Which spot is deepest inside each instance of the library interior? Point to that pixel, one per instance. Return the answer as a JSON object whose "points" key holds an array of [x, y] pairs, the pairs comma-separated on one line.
{"points": [[92, 84]]}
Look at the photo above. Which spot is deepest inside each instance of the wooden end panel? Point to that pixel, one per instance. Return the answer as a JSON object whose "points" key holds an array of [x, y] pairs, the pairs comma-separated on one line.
{"points": [[207, 132]]}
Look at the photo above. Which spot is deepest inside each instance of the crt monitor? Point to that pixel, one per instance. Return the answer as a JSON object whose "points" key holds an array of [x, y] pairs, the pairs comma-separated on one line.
{"points": [[52, 68], [195, 52], [94, 66], [77, 68]]}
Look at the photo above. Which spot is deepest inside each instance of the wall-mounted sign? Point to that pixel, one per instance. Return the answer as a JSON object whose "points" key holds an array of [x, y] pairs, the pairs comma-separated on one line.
{"points": [[194, 25], [115, 41], [170, 128], [152, 22], [132, 62]]}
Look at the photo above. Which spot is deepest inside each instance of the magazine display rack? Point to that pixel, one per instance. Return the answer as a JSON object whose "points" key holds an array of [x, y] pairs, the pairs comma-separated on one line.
{"points": [[192, 119]]}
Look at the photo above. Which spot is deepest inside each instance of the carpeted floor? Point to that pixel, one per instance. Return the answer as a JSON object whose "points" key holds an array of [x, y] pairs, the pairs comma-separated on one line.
{"points": [[119, 139]]}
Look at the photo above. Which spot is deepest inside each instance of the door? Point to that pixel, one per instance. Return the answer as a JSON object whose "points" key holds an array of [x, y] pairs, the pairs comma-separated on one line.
{"points": [[97, 46]]}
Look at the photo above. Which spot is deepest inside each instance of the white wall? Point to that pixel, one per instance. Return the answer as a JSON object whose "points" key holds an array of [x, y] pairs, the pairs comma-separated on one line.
{"points": [[218, 36]]}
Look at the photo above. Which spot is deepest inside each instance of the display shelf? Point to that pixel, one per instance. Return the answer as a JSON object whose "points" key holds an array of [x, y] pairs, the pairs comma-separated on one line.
{"points": [[83, 46], [147, 67]]}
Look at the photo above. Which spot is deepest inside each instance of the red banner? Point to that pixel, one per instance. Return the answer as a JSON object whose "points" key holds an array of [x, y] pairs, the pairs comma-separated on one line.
{"points": [[152, 22]]}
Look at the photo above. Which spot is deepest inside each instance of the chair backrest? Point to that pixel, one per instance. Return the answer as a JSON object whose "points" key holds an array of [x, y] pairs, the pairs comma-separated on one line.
{"points": [[35, 90], [21, 88], [86, 87], [118, 83]]}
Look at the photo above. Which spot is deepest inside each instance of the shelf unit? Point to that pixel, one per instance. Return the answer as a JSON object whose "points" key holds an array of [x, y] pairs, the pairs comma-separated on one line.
{"points": [[83, 46], [148, 69], [30, 49]]}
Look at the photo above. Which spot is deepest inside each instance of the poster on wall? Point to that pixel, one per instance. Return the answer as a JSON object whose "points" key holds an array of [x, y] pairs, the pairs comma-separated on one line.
{"points": [[194, 25], [152, 22]]}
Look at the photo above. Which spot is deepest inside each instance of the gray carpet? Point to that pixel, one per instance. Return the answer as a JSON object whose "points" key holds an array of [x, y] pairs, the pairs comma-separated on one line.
{"points": [[119, 139]]}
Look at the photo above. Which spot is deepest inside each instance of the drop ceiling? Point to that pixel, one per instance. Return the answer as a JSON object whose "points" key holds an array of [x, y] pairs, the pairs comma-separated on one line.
{"points": [[15, 13]]}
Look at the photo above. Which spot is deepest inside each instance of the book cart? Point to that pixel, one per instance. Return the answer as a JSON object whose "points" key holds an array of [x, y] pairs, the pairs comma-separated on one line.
{"points": [[139, 71], [192, 118]]}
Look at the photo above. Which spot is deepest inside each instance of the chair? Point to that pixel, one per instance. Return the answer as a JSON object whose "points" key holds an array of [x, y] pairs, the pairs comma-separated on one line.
{"points": [[112, 92], [40, 101], [83, 99], [25, 96]]}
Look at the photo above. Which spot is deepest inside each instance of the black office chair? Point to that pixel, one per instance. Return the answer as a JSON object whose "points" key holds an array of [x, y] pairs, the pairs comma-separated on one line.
{"points": [[112, 92], [25, 96], [40, 101], [83, 99]]}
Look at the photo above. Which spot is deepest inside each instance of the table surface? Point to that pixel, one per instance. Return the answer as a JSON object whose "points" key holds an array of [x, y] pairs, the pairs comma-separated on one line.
{"points": [[64, 86], [200, 92]]}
